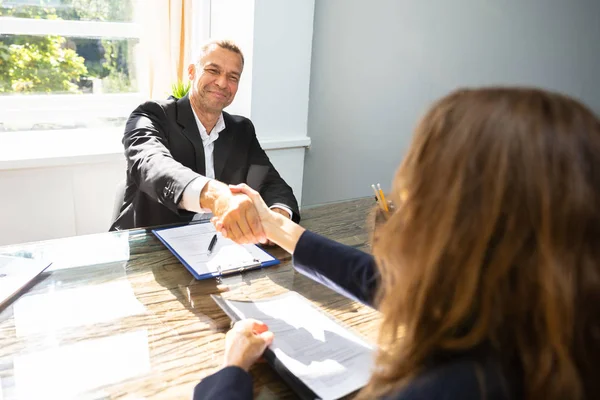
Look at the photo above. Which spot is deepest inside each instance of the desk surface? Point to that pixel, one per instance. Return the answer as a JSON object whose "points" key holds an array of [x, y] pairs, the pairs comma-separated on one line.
{"points": [[117, 315]]}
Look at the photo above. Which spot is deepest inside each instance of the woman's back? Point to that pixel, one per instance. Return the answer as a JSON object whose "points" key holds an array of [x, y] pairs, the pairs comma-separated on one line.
{"points": [[469, 376], [495, 245]]}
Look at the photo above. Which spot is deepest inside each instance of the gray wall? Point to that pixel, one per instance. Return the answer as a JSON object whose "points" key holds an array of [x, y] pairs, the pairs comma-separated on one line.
{"points": [[378, 64]]}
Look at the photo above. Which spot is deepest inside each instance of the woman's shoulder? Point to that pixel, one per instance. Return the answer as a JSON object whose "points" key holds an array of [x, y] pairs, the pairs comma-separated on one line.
{"points": [[462, 378]]}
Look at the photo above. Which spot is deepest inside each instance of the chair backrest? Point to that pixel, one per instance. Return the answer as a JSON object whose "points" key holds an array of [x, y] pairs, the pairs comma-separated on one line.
{"points": [[119, 198]]}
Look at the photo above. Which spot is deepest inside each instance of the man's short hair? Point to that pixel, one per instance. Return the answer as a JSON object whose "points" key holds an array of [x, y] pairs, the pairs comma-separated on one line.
{"points": [[224, 44]]}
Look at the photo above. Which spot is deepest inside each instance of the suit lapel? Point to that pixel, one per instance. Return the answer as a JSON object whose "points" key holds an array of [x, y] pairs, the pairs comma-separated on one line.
{"points": [[223, 146], [185, 119]]}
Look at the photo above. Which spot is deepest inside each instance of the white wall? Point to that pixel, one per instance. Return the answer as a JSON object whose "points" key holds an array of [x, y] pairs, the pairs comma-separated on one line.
{"points": [[234, 20], [60, 201], [281, 74]]}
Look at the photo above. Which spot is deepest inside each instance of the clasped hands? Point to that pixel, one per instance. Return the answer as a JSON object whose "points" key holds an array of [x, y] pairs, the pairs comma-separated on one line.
{"points": [[239, 216]]}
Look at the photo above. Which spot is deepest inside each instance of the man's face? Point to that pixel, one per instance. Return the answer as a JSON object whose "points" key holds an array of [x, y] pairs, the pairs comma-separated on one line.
{"points": [[215, 79]]}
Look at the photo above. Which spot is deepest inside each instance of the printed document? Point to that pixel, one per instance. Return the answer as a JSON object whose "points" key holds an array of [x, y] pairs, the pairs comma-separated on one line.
{"points": [[328, 358], [190, 244]]}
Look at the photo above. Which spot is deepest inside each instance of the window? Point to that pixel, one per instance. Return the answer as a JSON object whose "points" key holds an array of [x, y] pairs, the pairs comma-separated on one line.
{"points": [[67, 63]]}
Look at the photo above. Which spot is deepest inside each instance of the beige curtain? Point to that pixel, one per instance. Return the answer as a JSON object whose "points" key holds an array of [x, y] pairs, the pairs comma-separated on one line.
{"points": [[165, 45]]}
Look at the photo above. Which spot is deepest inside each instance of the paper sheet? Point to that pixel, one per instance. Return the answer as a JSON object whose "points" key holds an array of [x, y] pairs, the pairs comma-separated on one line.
{"points": [[190, 243], [331, 360]]}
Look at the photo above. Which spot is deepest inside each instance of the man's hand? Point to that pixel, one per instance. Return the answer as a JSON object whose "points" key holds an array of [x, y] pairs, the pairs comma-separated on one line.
{"points": [[235, 211], [246, 342], [263, 212]]}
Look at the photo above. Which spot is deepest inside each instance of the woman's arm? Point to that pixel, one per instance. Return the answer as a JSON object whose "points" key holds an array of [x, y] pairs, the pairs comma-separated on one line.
{"points": [[244, 344], [344, 269], [229, 383]]}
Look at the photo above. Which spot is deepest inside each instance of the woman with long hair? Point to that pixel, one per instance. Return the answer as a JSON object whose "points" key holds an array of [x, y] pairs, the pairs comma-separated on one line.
{"points": [[487, 273]]}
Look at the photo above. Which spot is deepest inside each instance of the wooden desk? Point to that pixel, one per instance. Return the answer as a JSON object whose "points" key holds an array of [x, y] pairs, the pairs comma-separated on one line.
{"points": [[117, 315]]}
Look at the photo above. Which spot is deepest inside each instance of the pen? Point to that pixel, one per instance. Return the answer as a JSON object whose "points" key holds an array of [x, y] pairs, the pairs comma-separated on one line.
{"points": [[385, 206], [213, 241]]}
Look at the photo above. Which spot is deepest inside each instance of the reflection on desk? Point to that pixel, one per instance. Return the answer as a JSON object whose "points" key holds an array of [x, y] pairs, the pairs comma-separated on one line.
{"points": [[59, 308], [58, 370], [119, 317]]}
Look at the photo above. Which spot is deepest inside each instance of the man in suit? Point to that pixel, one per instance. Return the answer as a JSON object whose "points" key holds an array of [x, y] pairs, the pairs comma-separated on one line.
{"points": [[181, 154]]}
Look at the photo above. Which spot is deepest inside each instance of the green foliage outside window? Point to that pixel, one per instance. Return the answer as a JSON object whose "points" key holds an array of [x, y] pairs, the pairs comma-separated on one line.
{"points": [[44, 64], [39, 65]]}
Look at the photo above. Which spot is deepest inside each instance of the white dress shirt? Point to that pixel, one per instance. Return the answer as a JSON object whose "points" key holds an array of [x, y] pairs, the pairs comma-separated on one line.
{"points": [[191, 195]]}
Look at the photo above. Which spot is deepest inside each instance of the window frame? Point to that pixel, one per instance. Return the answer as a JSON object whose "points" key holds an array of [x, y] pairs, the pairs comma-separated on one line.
{"points": [[62, 27], [54, 107]]}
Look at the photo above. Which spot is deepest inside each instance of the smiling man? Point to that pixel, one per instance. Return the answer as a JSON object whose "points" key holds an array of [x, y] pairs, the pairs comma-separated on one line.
{"points": [[182, 154]]}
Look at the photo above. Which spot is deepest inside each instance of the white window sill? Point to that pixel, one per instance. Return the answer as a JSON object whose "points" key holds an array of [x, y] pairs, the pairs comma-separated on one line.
{"points": [[41, 149]]}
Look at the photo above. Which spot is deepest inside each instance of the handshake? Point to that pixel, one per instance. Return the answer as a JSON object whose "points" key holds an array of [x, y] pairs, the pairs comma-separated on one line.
{"points": [[240, 213]]}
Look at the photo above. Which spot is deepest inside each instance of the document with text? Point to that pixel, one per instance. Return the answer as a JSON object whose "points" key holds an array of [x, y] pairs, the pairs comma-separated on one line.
{"points": [[191, 243], [325, 356]]}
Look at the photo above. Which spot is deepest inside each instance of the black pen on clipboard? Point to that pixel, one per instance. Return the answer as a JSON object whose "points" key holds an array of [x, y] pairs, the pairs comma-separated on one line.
{"points": [[213, 241]]}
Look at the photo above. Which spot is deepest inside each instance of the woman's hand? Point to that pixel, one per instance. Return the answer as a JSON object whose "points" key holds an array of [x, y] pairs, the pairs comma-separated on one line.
{"points": [[277, 228], [246, 342], [264, 213]]}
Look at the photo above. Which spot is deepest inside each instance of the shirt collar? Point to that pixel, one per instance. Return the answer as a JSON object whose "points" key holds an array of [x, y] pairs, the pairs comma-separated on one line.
{"points": [[214, 134]]}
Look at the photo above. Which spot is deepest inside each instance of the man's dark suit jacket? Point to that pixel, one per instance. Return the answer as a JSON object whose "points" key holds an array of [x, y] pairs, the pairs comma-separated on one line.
{"points": [[164, 153], [475, 375]]}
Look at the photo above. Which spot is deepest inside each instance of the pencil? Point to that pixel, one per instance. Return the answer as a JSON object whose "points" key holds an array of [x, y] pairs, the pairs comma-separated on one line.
{"points": [[385, 206], [377, 196]]}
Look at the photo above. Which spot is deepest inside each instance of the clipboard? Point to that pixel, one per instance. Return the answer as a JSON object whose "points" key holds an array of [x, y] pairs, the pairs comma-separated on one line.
{"points": [[349, 379], [296, 384], [189, 243]]}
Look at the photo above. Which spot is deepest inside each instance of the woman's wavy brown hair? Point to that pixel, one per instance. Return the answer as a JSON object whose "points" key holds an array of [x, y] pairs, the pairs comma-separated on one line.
{"points": [[496, 243]]}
